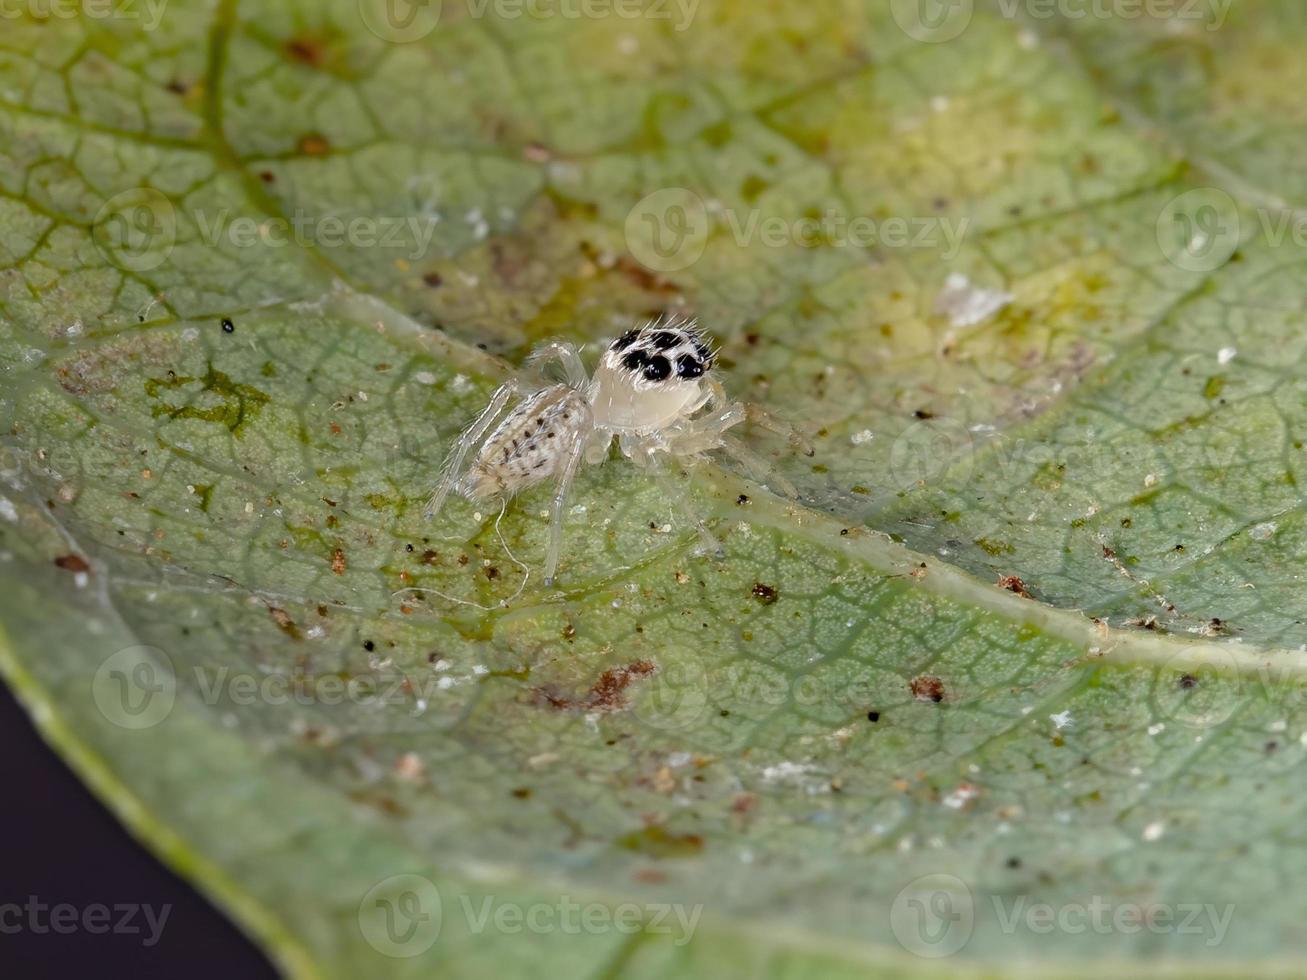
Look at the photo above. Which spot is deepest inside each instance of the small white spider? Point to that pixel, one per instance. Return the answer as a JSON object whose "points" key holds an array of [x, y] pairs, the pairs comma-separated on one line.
{"points": [[653, 390]]}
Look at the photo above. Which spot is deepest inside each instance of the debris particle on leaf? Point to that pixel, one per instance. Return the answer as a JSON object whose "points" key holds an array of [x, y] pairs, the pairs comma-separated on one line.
{"points": [[927, 688], [766, 594], [410, 767], [1013, 583], [966, 305], [608, 693], [961, 796], [73, 563]]}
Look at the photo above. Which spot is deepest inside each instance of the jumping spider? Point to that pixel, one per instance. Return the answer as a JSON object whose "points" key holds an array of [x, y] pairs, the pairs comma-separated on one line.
{"points": [[653, 390]]}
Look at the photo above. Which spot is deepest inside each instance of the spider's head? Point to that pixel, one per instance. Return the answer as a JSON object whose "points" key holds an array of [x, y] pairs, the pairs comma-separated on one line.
{"points": [[664, 355]]}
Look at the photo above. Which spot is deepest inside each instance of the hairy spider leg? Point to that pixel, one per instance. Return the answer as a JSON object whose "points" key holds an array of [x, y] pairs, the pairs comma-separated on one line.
{"points": [[758, 468], [574, 372], [471, 436], [565, 478], [677, 495]]}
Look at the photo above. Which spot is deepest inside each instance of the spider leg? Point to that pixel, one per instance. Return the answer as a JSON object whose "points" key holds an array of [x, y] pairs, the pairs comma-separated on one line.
{"points": [[472, 435], [565, 354], [758, 468], [755, 414], [763, 419], [574, 453], [708, 543]]}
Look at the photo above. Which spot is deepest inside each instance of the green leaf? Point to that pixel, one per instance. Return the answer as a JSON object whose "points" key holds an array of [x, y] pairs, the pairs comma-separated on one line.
{"points": [[1014, 687]]}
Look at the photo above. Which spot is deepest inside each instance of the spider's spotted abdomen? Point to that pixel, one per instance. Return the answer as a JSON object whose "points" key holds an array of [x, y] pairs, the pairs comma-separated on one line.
{"points": [[530, 445]]}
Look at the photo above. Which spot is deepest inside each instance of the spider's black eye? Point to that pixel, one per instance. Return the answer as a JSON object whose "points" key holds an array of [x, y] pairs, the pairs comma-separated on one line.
{"points": [[625, 340], [688, 367], [664, 340], [705, 354], [658, 368], [634, 360]]}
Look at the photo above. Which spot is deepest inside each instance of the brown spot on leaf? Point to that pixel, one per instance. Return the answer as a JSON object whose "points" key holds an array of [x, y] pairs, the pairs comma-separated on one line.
{"points": [[766, 594], [927, 687], [72, 563], [658, 842], [284, 622], [338, 561], [643, 278], [314, 145], [608, 693], [309, 50]]}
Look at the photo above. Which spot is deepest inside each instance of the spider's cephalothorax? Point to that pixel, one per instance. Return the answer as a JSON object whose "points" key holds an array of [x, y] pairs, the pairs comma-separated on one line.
{"points": [[653, 391], [651, 376]]}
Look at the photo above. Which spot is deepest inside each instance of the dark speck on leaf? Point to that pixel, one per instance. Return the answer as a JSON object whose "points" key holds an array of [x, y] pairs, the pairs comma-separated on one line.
{"points": [[228, 326], [873, 716], [742, 499], [766, 594], [1014, 862], [921, 413], [369, 646], [1188, 681]]}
